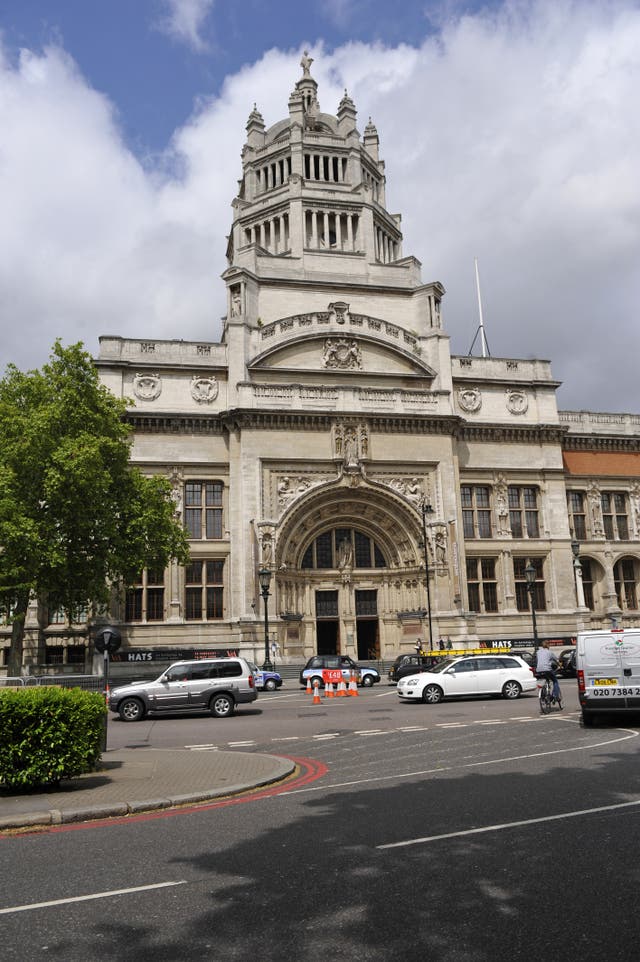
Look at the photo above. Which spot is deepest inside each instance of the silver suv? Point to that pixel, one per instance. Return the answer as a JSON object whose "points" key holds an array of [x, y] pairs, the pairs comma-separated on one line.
{"points": [[216, 685]]}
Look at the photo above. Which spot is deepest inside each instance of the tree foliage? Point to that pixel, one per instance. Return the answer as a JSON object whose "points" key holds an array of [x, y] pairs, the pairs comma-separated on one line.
{"points": [[75, 515]]}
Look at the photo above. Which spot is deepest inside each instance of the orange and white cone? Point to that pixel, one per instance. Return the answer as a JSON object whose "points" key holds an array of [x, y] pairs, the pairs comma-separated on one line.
{"points": [[328, 689], [353, 686], [342, 689], [316, 695], [309, 688]]}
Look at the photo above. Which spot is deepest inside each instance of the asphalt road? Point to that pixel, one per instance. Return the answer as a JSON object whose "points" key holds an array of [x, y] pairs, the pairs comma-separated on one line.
{"points": [[462, 832]]}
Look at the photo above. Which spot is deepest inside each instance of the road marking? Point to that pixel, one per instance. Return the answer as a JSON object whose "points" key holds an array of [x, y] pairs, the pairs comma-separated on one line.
{"points": [[325, 735], [240, 744], [204, 745], [288, 738], [87, 898], [500, 828], [412, 728], [450, 768], [204, 748], [489, 721], [371, 731], [451, 725]]}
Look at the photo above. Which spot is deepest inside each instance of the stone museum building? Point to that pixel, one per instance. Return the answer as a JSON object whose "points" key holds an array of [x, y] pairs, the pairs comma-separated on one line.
{"points": [[386, 492]]}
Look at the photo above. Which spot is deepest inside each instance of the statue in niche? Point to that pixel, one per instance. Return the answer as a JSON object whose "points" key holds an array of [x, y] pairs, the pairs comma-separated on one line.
{"points": [[351, 449], [345, 554], [236, 302], [441, 548], [267, 549]]}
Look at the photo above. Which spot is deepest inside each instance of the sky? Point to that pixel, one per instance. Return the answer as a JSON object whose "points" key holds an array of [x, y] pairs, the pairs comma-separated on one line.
{"points": [[510, 131]]}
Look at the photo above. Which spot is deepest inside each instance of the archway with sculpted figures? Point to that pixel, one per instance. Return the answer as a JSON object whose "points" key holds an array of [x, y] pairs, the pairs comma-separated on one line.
{"points": [[348, 562]]}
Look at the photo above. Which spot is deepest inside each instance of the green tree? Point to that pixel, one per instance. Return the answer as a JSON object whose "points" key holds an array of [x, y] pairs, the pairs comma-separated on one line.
{"points": [[75, 516]]}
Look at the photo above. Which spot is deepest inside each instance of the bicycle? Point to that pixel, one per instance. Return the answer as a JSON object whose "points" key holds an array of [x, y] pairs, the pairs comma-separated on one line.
{"points": [[545, 694]]}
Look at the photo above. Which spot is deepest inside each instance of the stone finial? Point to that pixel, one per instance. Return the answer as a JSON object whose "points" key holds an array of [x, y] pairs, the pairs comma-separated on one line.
{"points": [[371, 130], [256, 120]]}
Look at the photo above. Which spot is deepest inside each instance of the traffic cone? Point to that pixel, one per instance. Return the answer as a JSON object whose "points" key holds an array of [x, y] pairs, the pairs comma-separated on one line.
{"points": [[342, 689], [309, 688], [353, 686], [316, 695], [328, 689]]}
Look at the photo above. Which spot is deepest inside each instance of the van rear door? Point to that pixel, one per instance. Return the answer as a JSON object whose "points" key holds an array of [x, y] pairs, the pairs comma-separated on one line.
{"points": [[610, 662]]}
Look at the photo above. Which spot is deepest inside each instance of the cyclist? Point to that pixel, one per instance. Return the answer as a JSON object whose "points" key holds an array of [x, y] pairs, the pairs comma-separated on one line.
{"points": [[546, 663]]}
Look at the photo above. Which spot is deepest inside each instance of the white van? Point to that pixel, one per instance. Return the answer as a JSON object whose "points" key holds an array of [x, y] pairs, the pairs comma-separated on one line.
{"points": [[608, 670]]}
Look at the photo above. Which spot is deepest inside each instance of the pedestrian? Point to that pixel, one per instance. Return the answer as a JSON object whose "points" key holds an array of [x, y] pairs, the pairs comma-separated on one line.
{"points": [[449, 645], [441, 644]]}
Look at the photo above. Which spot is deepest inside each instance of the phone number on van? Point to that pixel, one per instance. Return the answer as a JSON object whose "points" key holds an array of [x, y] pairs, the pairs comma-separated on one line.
{"points": [[604, 692]]}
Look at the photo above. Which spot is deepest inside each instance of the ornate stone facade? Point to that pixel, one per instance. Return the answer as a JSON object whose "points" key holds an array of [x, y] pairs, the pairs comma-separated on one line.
{"points": [[311, 439]]}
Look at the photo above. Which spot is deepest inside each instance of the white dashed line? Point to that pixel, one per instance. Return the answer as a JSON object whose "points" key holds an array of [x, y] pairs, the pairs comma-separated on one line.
{"points": [[240, 744], [451, 725]]}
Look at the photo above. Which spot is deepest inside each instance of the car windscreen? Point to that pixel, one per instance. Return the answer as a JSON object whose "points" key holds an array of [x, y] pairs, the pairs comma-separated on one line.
{"points": [[445, 663]]}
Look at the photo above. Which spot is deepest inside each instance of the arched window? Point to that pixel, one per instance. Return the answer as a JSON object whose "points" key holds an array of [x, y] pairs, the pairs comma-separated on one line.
{"points": [[333, 549]]}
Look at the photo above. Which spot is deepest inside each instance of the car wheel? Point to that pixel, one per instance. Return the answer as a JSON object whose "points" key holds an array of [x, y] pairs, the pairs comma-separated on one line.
{"points": [[511, 689], [131, 710], [432, 694], [318, 679], [587, 719], [367, 681], [222, 706], [270, 685]]}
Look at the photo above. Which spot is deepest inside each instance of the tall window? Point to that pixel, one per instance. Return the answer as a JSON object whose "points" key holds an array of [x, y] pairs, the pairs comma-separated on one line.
{"points": [[144, 601], [476, 510], [204, 593], [482, 584], [203, 509], [587, 582], [625, 582], [342, 547], [522, 594], [523, 512], [577, 514], [614, 516]]}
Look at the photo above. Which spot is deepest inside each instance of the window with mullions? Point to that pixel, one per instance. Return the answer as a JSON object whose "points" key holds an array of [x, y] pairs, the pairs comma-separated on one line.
{"points": [[624, 576], [59, 616], [482, 584], [476, 510], [203, 509], [144, 601], [523, 512], [342, 546], [522, 594], [577, 514], [614, 516], [204, 592]]}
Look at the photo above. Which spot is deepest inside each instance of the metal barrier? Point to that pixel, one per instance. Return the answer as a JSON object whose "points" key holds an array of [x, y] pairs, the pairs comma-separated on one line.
{"points": [[10, 682], [87, 682]]}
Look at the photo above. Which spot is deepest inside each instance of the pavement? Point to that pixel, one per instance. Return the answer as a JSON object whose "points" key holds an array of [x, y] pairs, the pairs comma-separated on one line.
{"points": [[134, 780]]}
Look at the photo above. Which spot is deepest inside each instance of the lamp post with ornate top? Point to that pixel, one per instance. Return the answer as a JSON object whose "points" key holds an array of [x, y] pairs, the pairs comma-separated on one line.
{"points": [[264, 576], [427, 510]]}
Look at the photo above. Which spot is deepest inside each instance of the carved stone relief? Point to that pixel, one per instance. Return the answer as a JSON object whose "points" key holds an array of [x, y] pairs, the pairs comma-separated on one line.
{"points": [[204, 390], [342, 353], [266, 543], [176, 477], [410, 488], [147, 387], [635, 506], [469, 399], [517, 401]]}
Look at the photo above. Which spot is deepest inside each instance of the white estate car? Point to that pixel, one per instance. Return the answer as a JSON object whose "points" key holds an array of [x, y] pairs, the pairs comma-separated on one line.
{"points": [[506, 675]]}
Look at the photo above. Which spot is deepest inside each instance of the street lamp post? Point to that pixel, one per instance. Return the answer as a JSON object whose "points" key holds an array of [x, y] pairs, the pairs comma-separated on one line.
{"points": [[264, 576], [427, 510], [577, 571], [530, 576]]}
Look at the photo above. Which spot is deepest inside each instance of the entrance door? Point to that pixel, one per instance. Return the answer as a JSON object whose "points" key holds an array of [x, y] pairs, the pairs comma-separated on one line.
{"points": [[327, 635], [367, 624], [327, 623]]}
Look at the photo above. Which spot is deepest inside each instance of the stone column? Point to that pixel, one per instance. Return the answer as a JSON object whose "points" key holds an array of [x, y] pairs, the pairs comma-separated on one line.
{"points": [[314, 229], [326, 229], [338, 232], [350, 238]]}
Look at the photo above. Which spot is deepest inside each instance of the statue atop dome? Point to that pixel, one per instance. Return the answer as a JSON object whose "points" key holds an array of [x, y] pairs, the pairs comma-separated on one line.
{"points": [[305, 63]]}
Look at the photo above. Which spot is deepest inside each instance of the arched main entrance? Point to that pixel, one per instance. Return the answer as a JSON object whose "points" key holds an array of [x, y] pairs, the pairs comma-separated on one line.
{"points": [[348, 562]]}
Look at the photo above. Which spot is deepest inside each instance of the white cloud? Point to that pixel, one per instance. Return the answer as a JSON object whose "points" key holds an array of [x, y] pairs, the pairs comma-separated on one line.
{"points": [[184, 20], [513, 137]]}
